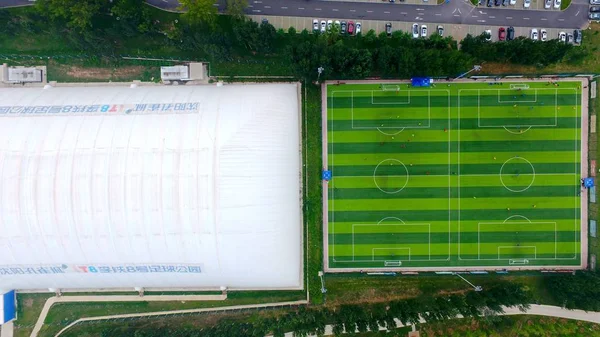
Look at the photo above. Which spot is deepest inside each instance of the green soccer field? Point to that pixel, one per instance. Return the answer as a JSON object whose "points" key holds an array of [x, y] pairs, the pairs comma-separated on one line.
{"points": [[454, 175]]}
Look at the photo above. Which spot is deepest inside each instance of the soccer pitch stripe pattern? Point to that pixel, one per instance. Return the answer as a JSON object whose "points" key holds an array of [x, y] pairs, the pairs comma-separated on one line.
{"points": [[418, 174]]}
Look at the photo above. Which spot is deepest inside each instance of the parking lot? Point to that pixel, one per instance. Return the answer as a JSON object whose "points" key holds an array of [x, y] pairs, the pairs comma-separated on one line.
{"points": [[458, 31]]}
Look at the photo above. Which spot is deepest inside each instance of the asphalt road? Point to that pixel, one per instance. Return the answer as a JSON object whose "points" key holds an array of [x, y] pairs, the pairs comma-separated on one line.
{"points": [[454, 12]]}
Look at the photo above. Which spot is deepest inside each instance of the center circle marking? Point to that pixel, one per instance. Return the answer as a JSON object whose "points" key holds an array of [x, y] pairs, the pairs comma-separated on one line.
{"points": [[403, 173], [514, 189]]}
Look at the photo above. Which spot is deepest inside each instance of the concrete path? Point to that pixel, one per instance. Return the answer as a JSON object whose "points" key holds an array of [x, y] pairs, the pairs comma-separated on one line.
{"points": [[117, 298], [537, 310]]}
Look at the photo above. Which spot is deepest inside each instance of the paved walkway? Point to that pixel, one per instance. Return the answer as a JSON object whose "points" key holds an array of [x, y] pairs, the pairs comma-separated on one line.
{"points": [[117, 298], [538, 310]]}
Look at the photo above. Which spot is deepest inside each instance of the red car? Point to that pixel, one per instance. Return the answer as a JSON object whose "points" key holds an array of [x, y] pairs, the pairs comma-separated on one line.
{"points": [[501, 34], [351, 27]]}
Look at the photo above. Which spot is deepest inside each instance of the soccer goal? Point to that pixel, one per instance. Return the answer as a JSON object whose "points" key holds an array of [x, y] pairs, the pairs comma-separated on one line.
{"points": [[519, 86], [390, 87]]}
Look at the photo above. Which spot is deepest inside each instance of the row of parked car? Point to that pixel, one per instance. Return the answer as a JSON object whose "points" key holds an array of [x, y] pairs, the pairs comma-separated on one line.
{"points": [[509, 34], [416, 30], [526, 3], [343, 27], [594, 10]]}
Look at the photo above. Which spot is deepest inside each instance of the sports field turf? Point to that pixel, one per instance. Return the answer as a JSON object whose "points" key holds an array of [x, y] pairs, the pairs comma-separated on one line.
{"points": [[466, 174]]}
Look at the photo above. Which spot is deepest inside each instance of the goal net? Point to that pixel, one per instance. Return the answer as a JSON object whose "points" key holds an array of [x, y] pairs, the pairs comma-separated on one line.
{"points": [[390, 87], [519, 86]]}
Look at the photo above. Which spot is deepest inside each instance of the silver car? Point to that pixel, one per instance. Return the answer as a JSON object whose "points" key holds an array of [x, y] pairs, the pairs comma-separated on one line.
{"points": [[548, 4]]}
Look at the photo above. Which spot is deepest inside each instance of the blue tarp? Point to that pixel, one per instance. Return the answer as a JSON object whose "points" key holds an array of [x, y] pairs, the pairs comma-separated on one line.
{"points": [[8, 306], [588, 182], [421, 81]]}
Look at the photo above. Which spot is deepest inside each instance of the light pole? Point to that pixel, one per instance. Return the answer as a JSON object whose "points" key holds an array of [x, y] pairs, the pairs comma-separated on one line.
{"points": [[319, 71], [323, 290], [475, 68], [477, 288]]}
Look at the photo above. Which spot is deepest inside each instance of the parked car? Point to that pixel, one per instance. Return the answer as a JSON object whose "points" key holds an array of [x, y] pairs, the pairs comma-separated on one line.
{"points": [[350, 27], [423, 31], [594, 2], [594, 16], [337, 25], [388, 28], [329, 24], [510, 33], [501, 34], [358, 27], [543, 35], [594, 9], [548, 4], [497, 2], [344, 26], [323, 26], [534, 34], [526, 3], [577, 36], [415, 30], [513, 2], [440, 30], [504, 2], [490, 3], [315, 25], [488, 35], [562, 37], [569, 38], [557, 4]]}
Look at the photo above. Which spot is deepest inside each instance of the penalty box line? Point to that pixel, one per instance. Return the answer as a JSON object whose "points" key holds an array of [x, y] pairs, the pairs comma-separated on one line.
{"points": [[525, 223], [399, 224], [387, 127]]}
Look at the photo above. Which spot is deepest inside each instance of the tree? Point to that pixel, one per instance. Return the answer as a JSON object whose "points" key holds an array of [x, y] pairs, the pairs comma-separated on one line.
{"points": [[236, 8], [78, 14], [133, 13], [199, 11]]}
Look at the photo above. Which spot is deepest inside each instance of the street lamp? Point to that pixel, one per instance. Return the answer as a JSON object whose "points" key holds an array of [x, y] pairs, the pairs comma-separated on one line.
{"points": [[323, 290], [319, 70], [477, 288]]}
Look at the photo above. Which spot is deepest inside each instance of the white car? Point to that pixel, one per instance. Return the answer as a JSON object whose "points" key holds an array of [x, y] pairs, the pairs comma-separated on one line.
{"points": [[415, 30], [544, 35], [526, 3], [562, 37], [488, 35], [557, 4], [513, 2], [547, 4], [329, 24], [423, 31], [315, 25], [534, 34], [323, 26], [358, 27]]}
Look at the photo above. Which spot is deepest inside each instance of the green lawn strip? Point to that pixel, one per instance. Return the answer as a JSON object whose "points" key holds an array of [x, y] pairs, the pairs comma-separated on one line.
{"points": [[28, 309], [491, 134], [442, 158], [61, 314]]}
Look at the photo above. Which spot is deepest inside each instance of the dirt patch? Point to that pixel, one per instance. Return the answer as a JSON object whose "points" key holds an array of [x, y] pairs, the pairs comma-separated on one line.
{"points": [[28, 303], [104, 73]]}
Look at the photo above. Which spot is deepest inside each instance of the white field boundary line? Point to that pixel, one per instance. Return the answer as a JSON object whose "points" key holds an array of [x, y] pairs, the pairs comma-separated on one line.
{"points": [[179, 312], [539, 174], [449, 197], [391, 225]]}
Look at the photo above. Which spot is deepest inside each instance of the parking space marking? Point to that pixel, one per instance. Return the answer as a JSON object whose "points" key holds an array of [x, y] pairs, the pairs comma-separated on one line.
{"points": [[284, 8], [509, 17], [267, 6], [525, 18], [492, 17]]}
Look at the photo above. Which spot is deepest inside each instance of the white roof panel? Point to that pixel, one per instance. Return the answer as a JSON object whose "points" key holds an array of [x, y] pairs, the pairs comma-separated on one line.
{"points": [[153, 186]]}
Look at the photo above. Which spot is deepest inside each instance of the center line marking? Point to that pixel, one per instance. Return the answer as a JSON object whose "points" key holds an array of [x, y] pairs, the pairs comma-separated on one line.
{"points": [[509, 17], [386, 12], [403, 13], [369, 11], [283, 7], [353, 10], [525, 18], [544, 19], [317, 9], [267, 6], [335, 9], [438, 14], [492, 17], [300, 8]]}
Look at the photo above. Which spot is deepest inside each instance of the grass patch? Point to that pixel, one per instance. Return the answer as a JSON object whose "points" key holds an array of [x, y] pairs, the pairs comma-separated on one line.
{"points": [[28, 311], [564, 4], [62, 314]]}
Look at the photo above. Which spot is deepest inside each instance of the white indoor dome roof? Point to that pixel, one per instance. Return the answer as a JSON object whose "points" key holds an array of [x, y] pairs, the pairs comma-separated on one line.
{"points": [[152, 186]]}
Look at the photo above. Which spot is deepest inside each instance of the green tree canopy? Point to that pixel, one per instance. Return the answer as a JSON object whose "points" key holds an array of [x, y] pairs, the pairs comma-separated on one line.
{"points": [[199, 11]]}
